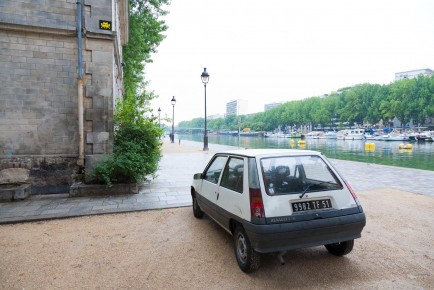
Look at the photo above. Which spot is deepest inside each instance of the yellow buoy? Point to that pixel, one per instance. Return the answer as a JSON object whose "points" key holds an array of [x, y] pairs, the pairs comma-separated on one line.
{"points": [[369, 146], [301, 143], [405, 146]]}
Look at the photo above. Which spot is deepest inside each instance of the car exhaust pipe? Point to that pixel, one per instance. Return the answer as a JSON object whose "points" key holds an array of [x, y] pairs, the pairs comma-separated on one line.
{"points": [[280, 257]]}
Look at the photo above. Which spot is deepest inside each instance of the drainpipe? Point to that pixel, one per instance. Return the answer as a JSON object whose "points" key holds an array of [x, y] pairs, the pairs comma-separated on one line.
{"points": [[80, 88]]}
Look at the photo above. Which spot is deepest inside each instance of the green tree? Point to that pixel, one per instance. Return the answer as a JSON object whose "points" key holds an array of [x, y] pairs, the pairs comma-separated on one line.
{"points": [[136, 148], [145, 30], [401, 100], [410, 99]]}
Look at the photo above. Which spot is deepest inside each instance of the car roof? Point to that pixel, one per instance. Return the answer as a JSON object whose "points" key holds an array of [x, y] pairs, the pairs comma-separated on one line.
{"points": [[269, 152]]}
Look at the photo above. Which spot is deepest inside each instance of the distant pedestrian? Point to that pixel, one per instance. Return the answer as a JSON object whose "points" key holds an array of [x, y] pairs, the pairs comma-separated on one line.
{"points": [[179, 141]]}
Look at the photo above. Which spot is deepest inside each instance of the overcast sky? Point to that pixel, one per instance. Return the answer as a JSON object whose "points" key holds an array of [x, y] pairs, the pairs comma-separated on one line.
{"points": [[282, 50]]}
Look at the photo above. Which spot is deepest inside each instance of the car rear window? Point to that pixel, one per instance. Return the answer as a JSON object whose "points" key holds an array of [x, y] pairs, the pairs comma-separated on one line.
{"points": [[297, 174]]}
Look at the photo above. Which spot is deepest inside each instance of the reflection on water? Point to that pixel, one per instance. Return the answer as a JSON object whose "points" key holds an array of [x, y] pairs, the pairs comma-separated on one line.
{"points": [[387, 153]]}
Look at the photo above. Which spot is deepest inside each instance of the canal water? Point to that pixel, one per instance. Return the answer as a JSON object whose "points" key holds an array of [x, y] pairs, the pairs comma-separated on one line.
{"points": [[421, 156]]}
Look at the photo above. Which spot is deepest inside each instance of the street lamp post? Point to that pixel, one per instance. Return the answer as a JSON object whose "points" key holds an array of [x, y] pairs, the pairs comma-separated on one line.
{"points": [[159, 120], [205, 79], [173, 101]]}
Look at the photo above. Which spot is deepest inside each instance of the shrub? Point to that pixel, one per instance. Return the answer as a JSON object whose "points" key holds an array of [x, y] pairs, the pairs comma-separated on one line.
{"points": [[136, 153]]}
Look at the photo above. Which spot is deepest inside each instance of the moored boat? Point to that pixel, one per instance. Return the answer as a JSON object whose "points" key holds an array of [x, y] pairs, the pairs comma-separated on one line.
{"points": [[314, 135], [426, 136], [330, 135], [392, 137], [351, 134], [252, 134]]}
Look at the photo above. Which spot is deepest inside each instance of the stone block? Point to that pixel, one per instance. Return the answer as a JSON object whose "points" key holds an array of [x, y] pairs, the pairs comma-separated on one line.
{"points": [[100, 126], [97, 137], [102, 57], [91, 160], [98, 102], [99, 44], [14, 175], [99, 148], [106, 92], [96, 115], [50, 189], [14, 192]]}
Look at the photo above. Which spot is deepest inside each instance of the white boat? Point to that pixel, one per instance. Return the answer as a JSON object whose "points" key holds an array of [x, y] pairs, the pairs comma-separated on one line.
{"points": [[393, 137], [422, 136], [294, 134], [330, 135], [371, 136], [314, 135], [269, 134], [351, 134], [282, 135]]}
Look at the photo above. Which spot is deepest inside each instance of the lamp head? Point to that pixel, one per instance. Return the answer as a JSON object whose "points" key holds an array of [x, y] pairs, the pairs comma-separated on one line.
{"points": [[205, 76], [173, 101]]}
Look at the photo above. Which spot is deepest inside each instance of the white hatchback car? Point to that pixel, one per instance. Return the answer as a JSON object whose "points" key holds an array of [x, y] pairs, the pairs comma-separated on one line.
{"points": [[274, 200]]}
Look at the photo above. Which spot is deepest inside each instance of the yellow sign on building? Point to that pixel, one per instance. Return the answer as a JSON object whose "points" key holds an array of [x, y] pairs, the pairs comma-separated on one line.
{"points": [[105, 25]]}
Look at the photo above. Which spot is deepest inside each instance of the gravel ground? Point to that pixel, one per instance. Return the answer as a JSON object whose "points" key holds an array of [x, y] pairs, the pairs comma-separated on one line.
{"points": [[170, 249]]}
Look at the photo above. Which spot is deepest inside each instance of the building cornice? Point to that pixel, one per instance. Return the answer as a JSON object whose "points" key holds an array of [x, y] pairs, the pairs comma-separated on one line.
{"points": [[37, 29]]}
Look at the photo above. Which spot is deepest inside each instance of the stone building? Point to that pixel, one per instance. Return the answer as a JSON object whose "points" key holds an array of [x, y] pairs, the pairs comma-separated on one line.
{"points": [[58, 87]]}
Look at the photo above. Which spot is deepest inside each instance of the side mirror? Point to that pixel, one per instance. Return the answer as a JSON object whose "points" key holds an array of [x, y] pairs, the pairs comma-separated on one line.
{"points": [[197, 176]]}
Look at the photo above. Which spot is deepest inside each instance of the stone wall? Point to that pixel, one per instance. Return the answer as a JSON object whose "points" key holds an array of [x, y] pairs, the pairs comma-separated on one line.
{"points": [[50, 14], [38, 99], [39, 94]]}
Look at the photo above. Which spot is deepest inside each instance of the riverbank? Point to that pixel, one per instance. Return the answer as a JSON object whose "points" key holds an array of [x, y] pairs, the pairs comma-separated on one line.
{"points": [[361, 175], [421, 156]]}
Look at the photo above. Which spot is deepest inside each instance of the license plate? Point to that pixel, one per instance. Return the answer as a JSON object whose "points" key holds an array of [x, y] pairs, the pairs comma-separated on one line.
{"points": [[311, 205]]}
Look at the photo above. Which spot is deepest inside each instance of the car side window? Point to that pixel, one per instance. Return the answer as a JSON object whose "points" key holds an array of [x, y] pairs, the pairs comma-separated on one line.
{"points": [[213, 172], [233, 176]]}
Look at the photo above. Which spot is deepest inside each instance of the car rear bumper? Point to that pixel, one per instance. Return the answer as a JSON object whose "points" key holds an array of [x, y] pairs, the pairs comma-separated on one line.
{"points": [[302, 234]]}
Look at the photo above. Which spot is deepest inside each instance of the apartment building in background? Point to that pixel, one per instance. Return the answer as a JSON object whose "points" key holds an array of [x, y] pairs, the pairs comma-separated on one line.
{"points": [[413, 74], [271, 106], [237, 107]]}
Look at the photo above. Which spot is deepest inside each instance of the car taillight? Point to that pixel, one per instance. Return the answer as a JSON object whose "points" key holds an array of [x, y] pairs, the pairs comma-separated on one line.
{"points": [[352, 193], [256, 204]]}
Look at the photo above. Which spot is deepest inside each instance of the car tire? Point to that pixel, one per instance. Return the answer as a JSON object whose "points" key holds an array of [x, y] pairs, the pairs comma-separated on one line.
{"points": [[247, 258], [340, 249], [197, 211]]}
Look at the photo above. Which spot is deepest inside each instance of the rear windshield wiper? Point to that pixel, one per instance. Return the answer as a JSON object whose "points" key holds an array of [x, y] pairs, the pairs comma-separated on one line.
{"points": [[313, 184]]}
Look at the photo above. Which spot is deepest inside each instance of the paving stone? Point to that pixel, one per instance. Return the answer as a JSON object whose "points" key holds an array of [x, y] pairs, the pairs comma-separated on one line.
{"points": [[172, 189], [104, 207]]}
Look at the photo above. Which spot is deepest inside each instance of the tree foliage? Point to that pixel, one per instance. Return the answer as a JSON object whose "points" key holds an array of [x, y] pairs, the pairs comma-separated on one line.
{"points": [[136, 148], [146, 30], [407, 99]]}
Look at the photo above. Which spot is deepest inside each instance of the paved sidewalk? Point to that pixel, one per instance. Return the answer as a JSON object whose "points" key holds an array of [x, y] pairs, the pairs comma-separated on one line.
{"points": [[171, 187]]}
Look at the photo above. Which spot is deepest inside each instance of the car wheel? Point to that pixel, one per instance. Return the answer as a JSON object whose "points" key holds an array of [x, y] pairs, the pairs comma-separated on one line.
{"points": [[197, 212], [340, 249], [247, 258]]}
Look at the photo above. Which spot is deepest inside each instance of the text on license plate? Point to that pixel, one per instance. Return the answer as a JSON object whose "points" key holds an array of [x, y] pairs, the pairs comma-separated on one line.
{"points": [[311, 205]]}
